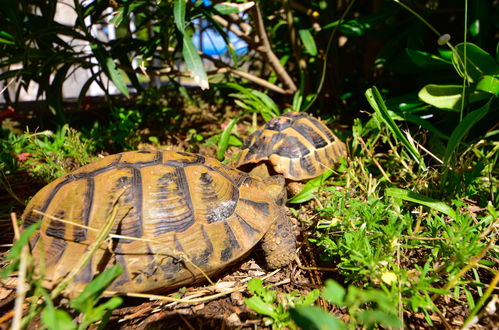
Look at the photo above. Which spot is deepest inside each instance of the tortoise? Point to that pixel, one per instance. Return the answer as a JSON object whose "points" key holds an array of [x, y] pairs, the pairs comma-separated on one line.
{"points": [[295, 145], [179, 215]]}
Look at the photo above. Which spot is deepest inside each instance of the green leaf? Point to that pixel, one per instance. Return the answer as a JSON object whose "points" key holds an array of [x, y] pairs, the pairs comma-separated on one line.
{"points": [[308, 41], [464, 126], [376, 101], [489, 84], [421, 199], [179, 15], [97, 313], [6, 38], [15, 251], [116, 76], [426, 60], [194, 63], [308, 190], [310, 298], [314, 318], [478, 62], [261, 307], [371, 317], [223, 143], [55, 319], [225, 9], [447, 97], [334, 293], [92, 292]]}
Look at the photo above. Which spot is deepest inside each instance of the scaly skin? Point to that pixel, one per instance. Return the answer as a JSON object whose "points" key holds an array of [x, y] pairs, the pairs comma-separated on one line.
{"points": [[279, 243]]}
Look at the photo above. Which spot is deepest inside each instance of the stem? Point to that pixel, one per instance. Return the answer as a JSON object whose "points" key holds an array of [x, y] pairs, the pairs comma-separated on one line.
{"points": [[465, 78], [482, 300]]}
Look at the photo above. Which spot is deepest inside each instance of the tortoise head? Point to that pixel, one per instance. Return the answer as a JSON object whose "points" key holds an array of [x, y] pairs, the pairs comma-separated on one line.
{"points": [[275, 187]]}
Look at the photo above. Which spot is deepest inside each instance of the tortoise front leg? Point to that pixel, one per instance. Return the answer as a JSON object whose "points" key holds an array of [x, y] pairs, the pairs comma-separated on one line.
{"points": [[279, 243]]}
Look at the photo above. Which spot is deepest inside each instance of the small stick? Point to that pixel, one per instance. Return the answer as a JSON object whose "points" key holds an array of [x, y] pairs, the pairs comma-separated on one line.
{"points": [[21, 277], [373, 159]]}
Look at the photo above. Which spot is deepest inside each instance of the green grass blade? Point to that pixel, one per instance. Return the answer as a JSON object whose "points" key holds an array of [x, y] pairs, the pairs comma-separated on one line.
{"points": [[223, 143], [464, 126], [376, 101], [421, 199]]}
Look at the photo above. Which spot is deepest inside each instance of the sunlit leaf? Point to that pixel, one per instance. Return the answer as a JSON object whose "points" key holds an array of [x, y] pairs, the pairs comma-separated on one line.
{"points": [[421, 199], [223, 143], [55, 319], [462, 129], [194, 62], [315, 318], [447, 97], [478, 62], [376, 101], [116, 77], [489, 84], [308, 41]]}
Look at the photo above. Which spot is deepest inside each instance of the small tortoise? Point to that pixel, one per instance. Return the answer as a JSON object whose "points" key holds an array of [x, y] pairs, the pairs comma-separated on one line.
{"points": [[295, 144], [175, 209]]}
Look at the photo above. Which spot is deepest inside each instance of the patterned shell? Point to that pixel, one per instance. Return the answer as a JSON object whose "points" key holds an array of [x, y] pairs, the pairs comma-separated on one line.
{"points": [[176, 209], [297, 145]]}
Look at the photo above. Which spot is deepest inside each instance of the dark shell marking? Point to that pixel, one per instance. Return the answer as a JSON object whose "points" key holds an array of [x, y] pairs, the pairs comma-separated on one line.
{"points": [[296, 145], [190, 209]]}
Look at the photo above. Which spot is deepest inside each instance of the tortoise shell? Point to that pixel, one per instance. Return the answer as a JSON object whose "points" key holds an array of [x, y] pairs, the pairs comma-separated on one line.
{"points": [[295, 144], [172, 206]]}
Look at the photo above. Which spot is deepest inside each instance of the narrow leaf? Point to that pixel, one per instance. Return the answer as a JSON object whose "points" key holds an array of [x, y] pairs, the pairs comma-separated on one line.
{"points": [[91, 293], [179, 15], [376, 101], [421, 199], [309, 189], [308, 41], [223, 143], [15, 251], [464, 126], [194, 62], [116, 76]]}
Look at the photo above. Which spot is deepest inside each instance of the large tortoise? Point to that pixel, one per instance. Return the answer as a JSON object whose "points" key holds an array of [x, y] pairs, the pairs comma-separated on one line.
{"points": [[295, 145], [184, 208]]}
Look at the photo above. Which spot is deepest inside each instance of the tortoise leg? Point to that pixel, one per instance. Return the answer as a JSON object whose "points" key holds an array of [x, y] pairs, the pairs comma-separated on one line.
{"points": [[294, 187], [279, 243]]}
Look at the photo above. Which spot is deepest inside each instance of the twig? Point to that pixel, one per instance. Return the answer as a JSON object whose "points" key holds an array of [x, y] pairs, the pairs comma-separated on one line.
{"points": [[232, 27], [481, 302], [473, 262], [266, 50], [295, 42], [21, 277], [373, 159]]}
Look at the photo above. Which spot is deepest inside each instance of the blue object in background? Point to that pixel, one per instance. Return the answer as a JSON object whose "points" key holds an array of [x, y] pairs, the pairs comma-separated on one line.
{"points": [[211, 42]]}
